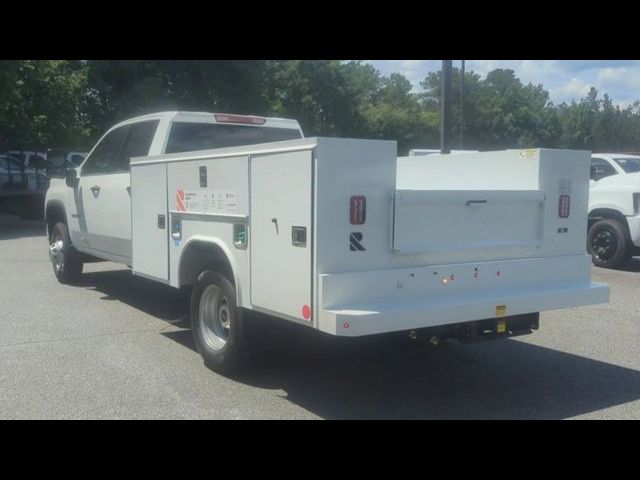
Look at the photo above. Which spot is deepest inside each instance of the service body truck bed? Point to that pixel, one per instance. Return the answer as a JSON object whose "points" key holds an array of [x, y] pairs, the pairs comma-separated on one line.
{"points": [[344, 237]]}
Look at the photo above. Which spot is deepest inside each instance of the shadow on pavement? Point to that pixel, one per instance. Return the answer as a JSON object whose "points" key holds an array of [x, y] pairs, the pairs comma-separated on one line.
{"points": [[380, 377], [161, 301], [632, 266]]}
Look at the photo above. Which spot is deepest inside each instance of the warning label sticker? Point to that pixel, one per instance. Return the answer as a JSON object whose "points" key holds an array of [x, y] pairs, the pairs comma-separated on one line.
{"points": [[206, 201]]}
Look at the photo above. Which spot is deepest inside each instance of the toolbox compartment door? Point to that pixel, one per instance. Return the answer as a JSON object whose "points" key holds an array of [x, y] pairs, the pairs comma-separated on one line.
{"points": [[149, 221], [471, 221], [280, 236]]}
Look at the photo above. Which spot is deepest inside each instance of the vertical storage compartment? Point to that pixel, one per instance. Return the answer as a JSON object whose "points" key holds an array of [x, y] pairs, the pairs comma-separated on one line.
{"points": [[149, 221], [281, 233]]}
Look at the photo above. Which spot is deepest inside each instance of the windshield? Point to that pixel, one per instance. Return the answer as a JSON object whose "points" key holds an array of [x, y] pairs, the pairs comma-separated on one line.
{"points": [[187, 137], [629, 164]]}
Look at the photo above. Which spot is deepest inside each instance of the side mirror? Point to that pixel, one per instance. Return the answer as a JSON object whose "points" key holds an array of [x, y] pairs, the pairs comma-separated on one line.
{"points": [[72, 178]]}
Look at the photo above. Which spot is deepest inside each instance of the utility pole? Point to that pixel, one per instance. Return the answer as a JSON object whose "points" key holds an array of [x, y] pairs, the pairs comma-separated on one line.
{"points": [[461, 99], [445, 119]]}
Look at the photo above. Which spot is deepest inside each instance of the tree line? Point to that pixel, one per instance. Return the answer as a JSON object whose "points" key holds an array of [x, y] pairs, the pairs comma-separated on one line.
{"points": [[71, 103]]}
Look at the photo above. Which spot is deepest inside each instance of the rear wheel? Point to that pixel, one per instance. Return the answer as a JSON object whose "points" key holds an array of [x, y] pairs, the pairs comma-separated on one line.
{"points": [[217, 323], [608, 243], [67, 267]]}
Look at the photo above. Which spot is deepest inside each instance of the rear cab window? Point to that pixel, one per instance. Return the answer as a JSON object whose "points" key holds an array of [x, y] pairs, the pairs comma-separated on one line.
{"points": [[190, 136]]}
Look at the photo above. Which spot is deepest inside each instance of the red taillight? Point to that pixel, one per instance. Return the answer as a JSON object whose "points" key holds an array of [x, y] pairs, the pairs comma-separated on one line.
{"points": [[358, 210], [564, 206], [224, 118]]}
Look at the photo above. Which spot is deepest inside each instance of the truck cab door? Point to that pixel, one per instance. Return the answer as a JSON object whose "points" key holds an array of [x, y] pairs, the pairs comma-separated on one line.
{"points": [[104, 193], [93, 221]]}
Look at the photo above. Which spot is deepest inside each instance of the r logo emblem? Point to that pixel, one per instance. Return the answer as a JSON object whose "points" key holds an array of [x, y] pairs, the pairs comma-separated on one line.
{"points": [[355, 242]]}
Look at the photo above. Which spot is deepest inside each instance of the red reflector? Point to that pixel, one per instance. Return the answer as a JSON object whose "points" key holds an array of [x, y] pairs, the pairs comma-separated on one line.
{"points": [[564, 206], [225, 118], [358, 210]]}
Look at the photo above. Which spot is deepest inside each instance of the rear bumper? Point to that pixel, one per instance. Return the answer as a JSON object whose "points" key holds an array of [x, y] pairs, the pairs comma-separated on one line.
{"points": [[394, 300]]}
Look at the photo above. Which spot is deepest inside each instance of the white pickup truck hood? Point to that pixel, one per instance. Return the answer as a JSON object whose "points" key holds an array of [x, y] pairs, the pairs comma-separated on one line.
{"points": [[628, 179]]}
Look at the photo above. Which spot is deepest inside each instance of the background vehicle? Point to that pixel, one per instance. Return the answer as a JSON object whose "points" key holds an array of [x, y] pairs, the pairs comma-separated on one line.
{"points": [[14, 176], [338, 235], [33, 159], [614, 209], [60, 160], [11, 173]]}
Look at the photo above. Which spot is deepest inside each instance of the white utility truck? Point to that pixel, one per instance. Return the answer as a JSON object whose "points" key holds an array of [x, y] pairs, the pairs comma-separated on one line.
{"points": [[614, 209], [336, 234]]}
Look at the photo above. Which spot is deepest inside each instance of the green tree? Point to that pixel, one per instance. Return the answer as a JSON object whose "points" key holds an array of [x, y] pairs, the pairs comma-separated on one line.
{"points": [[119, 89], [40, 103]]}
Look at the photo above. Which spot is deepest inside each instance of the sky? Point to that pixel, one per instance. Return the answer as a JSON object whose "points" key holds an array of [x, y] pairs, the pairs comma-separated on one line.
{"points": [[564, 79]]}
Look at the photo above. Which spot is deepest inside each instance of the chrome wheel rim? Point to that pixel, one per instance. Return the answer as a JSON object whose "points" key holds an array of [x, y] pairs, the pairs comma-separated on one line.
{"points": [[214, 316], [56, 252]]}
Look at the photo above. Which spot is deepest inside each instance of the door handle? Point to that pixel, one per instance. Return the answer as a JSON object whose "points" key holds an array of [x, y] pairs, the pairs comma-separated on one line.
{"points": [[95, 189], [471, 203]]}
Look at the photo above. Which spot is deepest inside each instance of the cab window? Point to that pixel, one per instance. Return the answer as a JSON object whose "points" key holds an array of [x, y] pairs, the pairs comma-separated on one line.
{"points": [[105, 157], [600, 169]]}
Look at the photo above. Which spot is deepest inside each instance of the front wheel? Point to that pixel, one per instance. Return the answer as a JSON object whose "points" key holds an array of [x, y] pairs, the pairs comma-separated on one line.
{"points": [[217, 323], [608, 243], [67, 267]]}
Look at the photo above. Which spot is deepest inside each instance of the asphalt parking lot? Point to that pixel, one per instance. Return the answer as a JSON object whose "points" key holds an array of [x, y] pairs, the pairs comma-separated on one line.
{"points": [[119, 347]]}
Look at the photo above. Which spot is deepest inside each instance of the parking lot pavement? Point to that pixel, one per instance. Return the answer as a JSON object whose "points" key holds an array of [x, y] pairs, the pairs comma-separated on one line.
{"points": [[118, 346]]}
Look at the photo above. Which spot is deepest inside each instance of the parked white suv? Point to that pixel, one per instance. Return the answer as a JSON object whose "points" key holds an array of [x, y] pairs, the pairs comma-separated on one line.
{"points": [[614, 209]]}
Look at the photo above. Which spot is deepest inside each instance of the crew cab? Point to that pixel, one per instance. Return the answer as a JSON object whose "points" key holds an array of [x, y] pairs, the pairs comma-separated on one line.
{"points": [[335, 234], [614, 209]]}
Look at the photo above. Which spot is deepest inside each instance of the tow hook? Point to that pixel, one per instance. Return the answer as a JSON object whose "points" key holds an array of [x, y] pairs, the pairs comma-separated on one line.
{"points": [[413, 335], [435, 341]]}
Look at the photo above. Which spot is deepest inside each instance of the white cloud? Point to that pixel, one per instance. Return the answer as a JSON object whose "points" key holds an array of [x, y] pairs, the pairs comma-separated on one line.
{"points": [[620, 77], [574, 89]]}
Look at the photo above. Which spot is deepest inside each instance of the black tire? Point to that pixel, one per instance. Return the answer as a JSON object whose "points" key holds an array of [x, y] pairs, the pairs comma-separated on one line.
{"points": [[218, 332], [609, 244], [66, 263]]}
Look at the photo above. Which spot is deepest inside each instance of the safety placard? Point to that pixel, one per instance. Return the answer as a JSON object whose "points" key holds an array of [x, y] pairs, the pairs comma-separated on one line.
{"points": [[206, 201]]}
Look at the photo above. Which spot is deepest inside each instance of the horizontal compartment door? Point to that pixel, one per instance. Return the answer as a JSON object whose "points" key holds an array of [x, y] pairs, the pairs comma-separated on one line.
{"points": [[439, 221]]}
